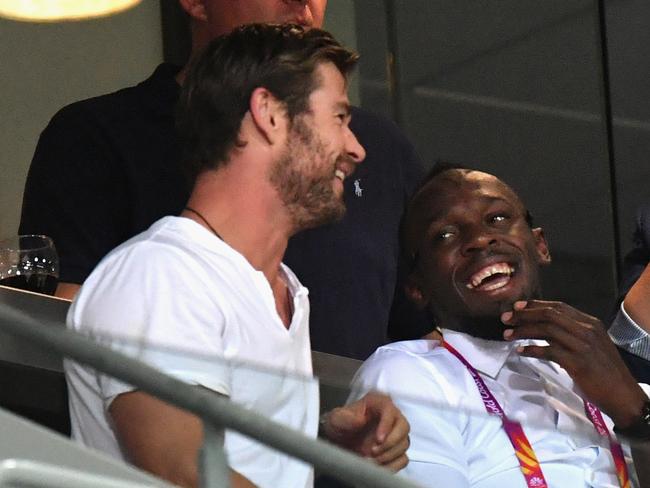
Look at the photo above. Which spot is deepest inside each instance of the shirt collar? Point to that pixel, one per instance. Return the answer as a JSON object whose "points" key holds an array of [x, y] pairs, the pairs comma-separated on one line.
{"points": [[487, 357]]}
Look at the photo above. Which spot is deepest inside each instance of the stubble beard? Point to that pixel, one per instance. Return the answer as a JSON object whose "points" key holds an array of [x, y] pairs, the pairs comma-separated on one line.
{"points": [[305, 182]]}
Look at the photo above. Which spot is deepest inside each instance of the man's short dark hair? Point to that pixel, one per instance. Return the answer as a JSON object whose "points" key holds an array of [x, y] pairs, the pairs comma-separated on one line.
{"points": [[216, 94]]}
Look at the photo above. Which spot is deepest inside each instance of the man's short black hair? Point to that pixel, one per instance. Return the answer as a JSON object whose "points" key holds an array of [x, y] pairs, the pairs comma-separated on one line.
{"points": [[216, 94]]}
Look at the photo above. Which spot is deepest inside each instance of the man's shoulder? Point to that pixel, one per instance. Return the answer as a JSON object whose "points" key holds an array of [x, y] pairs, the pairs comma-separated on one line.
{"points": [[414, 369], [367, 124], [176, 251], [162, 243], [415, 348], [156, 91], [412, 355], [389, 153], [137, 277]]}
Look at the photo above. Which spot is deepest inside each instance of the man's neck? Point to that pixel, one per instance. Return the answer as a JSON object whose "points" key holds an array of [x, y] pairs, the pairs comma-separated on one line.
{"points": [[244, 218], [490, 328]]}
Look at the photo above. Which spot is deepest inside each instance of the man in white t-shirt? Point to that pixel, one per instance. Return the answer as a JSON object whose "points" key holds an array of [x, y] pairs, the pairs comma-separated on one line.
{"points": [[475, 259], [264, 114]]}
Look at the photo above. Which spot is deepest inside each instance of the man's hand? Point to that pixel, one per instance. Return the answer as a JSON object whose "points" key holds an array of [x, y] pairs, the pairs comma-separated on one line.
{"points": [[579, 343], [372, 427]]}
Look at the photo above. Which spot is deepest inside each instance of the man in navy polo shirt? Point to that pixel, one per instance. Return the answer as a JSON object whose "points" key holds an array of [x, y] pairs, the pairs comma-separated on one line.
{"points": [[106, 168]]}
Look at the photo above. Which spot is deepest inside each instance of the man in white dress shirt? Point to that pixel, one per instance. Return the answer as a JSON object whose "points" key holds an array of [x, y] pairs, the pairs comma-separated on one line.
{"points": [[475, 263], [265, 114]]}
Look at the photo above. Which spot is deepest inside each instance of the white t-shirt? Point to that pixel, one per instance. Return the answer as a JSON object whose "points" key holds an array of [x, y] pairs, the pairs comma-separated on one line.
{"points": [[453, 440], [177, 287]]}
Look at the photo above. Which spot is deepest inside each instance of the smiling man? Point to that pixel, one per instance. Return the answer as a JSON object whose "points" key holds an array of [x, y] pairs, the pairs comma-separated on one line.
{"points": [[546, 369], [268, 145]]}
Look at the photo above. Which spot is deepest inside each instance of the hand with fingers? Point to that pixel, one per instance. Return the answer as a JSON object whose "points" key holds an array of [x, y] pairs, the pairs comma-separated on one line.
{"points": [[372, 427], [579, 343]]}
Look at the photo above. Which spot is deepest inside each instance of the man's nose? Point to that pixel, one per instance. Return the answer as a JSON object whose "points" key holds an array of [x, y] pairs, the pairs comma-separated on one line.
{"points": [[353, 148], [478, 240]]}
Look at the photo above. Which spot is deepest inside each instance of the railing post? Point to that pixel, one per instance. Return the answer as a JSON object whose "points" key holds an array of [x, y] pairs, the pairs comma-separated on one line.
{"points": [[213, 464]]}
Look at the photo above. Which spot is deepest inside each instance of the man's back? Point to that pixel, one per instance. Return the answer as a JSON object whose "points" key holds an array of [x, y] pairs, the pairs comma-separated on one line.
{"points": [[104, 170], [107, 168]]}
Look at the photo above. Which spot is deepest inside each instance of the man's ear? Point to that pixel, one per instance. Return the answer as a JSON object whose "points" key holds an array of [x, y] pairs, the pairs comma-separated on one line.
{"points": [[414, 293], [268, 114], [195, 9], [543, 252]]}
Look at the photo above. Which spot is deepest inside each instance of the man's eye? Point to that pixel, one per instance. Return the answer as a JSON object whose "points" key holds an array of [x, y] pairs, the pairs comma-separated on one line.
{"points": [[498, 218], [443, 235]]}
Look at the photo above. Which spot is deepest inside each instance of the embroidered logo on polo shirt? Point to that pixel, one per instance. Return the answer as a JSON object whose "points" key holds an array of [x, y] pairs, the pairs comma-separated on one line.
{"points": [[358, 191]]}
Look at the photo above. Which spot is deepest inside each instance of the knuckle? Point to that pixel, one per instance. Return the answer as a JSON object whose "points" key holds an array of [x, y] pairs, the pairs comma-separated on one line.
{"points": [[590, 333], [549, 313]]}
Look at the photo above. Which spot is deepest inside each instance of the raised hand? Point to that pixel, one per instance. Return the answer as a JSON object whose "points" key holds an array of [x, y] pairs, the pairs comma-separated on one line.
{"points": [[579, 343]]}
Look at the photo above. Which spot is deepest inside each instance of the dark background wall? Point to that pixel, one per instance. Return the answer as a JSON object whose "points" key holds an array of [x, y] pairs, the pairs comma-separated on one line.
{"points": [[520, 88]]}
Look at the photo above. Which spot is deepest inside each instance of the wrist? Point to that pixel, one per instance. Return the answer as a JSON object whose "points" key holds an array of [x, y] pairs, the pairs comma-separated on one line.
{"points": [[638, 426]]}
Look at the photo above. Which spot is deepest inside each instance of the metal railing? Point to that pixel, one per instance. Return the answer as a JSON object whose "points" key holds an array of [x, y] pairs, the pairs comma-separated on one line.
{"points": [[217, 412]]}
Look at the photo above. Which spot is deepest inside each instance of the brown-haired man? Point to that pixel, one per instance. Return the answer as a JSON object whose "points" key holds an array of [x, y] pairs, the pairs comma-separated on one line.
{"points": [[476, 260], [211, 281], [106, 168]]}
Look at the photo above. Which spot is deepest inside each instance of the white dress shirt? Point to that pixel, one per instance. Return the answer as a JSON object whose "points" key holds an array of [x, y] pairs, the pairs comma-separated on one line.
{"points": [[455, 443], [627, 334]]}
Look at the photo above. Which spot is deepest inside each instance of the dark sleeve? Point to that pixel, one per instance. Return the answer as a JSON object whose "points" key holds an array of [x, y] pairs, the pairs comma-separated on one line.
{"points": [[75, 192], [405, 320], [637, 259]]}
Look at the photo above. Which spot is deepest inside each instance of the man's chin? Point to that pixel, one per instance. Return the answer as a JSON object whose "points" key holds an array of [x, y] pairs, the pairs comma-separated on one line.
{"points": [[324, 216], [483, 327]]}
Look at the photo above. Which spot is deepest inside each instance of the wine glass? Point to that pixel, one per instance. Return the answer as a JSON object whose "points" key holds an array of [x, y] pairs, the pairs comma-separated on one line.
{"points": [[29, 262]]}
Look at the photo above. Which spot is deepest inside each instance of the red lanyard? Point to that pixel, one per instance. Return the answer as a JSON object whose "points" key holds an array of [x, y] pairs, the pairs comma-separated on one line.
{"points": [[596, 418], [528, 462]]}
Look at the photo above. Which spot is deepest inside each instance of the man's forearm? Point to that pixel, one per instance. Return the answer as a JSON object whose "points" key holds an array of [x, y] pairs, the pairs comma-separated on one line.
{"points": [[162, 439]]}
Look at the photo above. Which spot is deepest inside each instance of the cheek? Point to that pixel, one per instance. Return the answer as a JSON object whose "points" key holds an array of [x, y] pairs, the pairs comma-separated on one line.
{"points": [[438, 275], [317, 8]]}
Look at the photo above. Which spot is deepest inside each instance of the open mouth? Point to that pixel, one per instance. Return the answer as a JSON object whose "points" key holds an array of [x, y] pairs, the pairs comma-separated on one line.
{"points": [[339, 174], [491, 277]]}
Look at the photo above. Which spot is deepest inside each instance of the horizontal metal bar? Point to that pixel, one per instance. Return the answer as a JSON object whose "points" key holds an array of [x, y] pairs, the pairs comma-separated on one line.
{"points": [[27, 472], [327, 458]]}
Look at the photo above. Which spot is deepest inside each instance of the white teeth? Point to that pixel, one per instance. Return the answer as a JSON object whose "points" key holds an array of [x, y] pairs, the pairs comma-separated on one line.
{"points": [[499, 268], [339, 174]]}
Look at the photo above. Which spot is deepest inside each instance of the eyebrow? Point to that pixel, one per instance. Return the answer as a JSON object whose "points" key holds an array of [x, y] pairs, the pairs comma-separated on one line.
{"points": [[490, 200]]}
